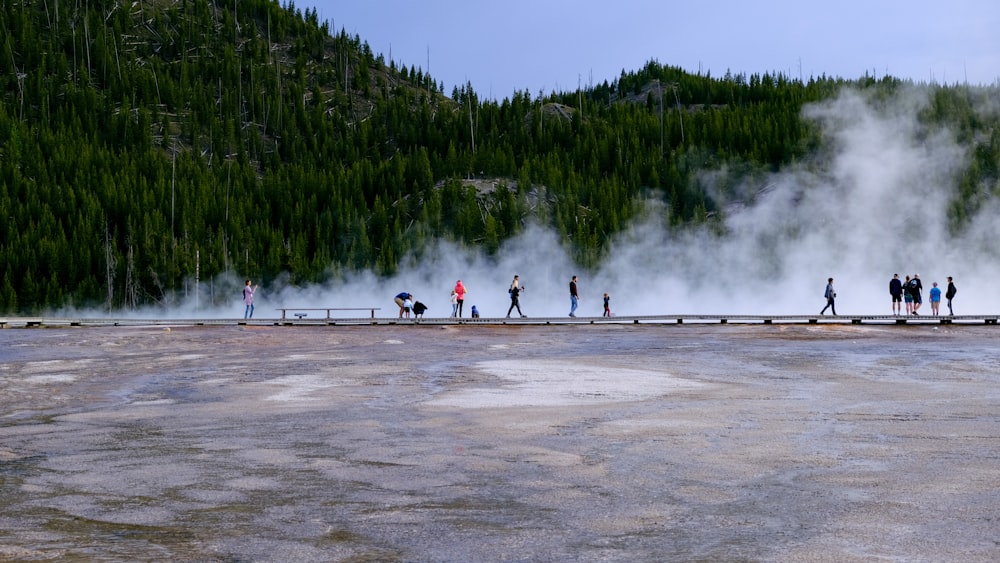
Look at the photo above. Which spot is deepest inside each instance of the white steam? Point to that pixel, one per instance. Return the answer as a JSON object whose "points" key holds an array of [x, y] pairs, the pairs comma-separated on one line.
{"points": [[874, 205]]}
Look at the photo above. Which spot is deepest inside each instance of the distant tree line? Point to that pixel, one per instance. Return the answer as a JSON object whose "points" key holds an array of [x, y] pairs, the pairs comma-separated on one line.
{"points": [[143, 141]]}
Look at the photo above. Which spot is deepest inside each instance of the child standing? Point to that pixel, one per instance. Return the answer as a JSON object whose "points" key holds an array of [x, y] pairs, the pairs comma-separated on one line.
{"points": [[935, 299]]}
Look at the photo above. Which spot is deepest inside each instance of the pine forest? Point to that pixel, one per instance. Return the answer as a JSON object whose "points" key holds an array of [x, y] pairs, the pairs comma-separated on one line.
{"points": [[145, 142]]}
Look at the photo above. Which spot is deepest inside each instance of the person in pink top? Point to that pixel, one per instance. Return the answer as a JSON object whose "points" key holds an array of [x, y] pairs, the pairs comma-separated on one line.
{"points": [[460, 296], [248, 292]]}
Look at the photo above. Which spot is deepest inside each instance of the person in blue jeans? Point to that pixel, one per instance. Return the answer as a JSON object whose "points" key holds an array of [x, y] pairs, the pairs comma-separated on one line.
{"points": [[248, 299], [574, 297]]}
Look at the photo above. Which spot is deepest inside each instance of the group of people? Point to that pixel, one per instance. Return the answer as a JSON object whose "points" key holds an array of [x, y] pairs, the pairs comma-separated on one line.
{"points": [[574, 298], [910, 293], [407, 304]]}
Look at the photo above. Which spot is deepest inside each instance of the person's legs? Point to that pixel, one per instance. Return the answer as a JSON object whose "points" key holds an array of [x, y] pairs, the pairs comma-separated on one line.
{"points": [[573, 302], [950, 311], [399, 303], [460, 302], [251, 310]]}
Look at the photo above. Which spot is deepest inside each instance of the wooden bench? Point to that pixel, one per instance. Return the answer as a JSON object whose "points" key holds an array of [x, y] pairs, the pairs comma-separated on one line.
{"points": [[284, 310]]}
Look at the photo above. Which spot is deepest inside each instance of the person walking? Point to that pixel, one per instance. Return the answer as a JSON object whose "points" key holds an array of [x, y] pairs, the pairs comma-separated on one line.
{"points": [[607, 305], [574, 297], [514, 291], [248, 299], [935, 295], [896, 291], [460, 296], [830, 295], [950, 294]]}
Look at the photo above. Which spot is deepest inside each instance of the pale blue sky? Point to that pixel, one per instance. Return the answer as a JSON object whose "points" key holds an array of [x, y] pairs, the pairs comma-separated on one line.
{"points": [[538, 45]]}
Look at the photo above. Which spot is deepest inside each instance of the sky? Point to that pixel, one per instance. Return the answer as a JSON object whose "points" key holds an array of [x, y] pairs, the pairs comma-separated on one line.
{"points": [[556, 45]]}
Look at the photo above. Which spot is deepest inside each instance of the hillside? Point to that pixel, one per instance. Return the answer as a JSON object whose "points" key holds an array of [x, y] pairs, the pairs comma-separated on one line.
{"points": [[147, 144]]}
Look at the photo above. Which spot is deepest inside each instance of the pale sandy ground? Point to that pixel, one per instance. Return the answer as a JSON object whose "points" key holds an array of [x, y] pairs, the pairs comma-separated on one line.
{"points": [[515, 443]]}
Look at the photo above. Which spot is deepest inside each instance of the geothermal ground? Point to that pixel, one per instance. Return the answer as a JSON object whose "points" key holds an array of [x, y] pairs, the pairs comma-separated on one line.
{"points": [[501, 443]]}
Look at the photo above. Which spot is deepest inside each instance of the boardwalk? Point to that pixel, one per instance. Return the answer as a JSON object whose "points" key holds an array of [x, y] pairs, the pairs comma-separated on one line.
{"points": [[41, 322]]}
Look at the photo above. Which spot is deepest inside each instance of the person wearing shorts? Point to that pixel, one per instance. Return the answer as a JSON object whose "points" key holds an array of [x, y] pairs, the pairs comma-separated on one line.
{"points": [[935, 296], [917, 288], [908, 296], [400, 301], [896, 291]]}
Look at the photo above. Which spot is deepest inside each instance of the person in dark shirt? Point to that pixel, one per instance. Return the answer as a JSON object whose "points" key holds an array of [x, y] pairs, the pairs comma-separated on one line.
{"points": [[917, 288], [950, 294], [418, 309], [896, 291], [515, 290], [400, 300], [574, 297]]}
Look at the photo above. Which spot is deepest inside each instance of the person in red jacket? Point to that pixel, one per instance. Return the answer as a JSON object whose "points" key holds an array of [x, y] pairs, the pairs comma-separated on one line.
{"points": [[460, 296]]}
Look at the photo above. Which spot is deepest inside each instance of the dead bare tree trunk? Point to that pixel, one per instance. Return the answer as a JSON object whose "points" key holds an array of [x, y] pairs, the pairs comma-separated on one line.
{"points": [[110, 263], [131, 285]]}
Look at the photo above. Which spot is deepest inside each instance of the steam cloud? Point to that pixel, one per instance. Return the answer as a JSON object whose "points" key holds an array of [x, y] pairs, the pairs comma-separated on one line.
{"points": [[873, 205]]}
